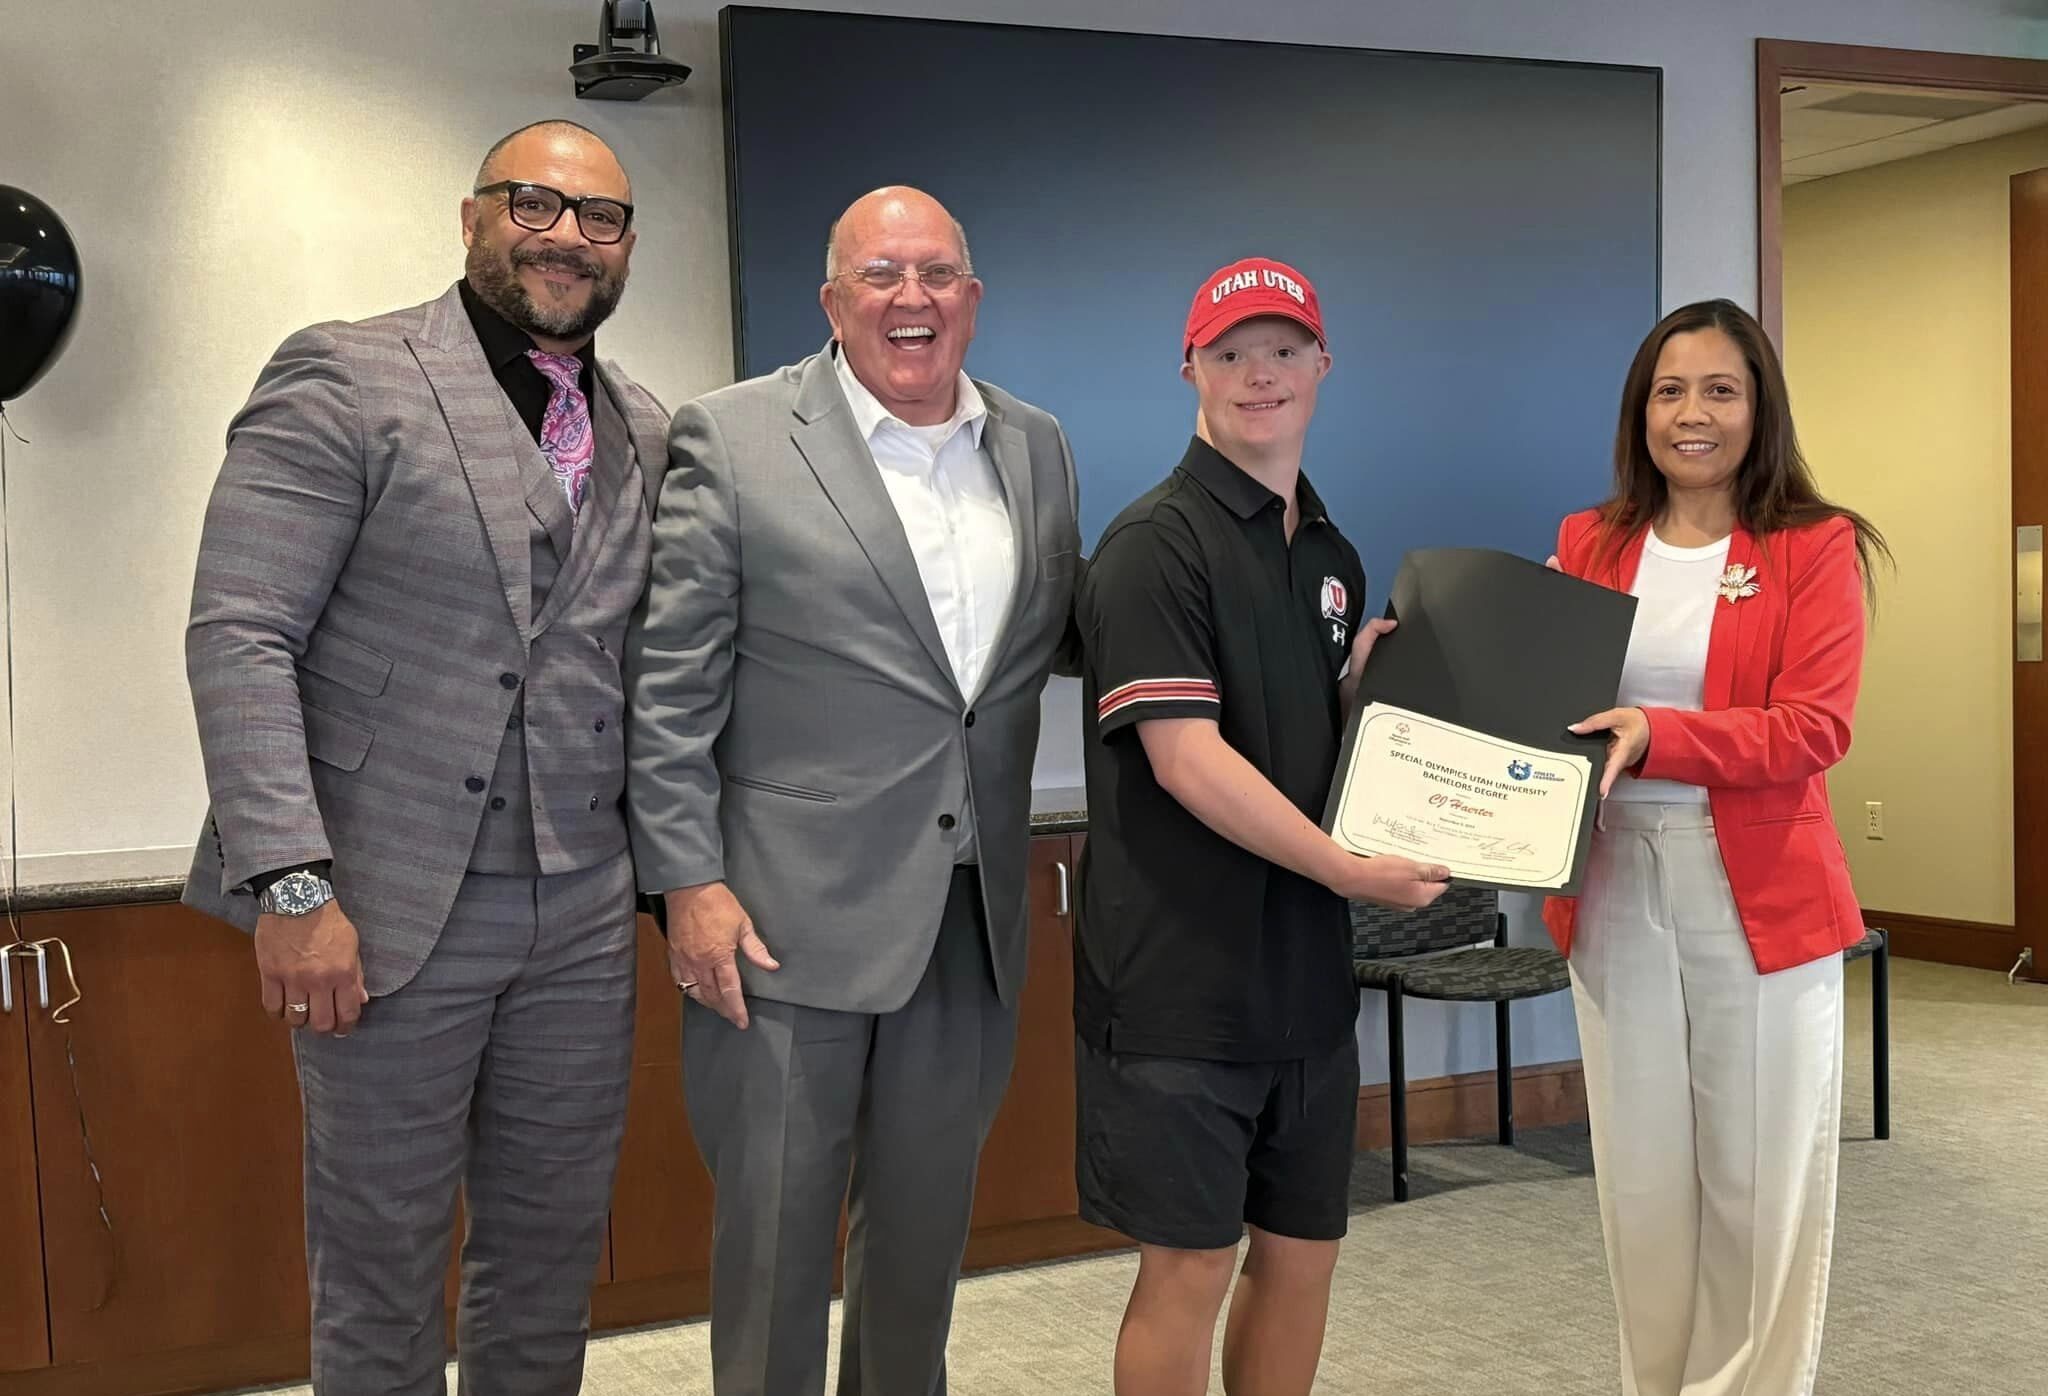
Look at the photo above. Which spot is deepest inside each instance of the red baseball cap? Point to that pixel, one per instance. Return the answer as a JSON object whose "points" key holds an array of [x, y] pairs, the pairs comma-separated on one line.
{"points": [[1252, 287]]}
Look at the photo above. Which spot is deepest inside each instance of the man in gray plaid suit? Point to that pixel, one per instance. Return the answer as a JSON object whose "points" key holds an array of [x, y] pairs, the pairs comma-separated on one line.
{"points": [[411, 599]]}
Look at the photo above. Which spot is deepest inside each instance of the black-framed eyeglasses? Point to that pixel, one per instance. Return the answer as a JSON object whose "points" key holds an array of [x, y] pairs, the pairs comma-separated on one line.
{"points": [[887, 276], [538, 208]]}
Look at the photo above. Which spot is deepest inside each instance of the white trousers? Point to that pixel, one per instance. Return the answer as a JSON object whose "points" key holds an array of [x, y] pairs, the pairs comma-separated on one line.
{"points": [[1715, 1099]]}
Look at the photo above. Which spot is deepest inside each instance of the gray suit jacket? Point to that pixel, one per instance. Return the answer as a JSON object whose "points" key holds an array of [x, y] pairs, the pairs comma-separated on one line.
{"points": [[795, 728], [363, 586]]}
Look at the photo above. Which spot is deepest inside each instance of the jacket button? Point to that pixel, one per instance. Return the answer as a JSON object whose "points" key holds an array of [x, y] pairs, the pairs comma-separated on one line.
{"points": [[970, 718], [600, 724], [593, 802], [946, 821], [512, 723], [509, 680], [497, 802], [475, 785]]}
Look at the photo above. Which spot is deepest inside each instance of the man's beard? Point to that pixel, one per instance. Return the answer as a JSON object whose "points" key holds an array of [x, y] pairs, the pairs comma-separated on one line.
{"points": [[494, 274]]}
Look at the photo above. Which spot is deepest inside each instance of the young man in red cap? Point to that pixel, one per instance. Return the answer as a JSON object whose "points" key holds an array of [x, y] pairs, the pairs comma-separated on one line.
{"points": [[1218, 1070]]}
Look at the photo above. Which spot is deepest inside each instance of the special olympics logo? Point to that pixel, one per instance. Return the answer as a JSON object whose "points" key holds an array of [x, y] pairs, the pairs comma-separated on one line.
{"points": [[1519, 770]]}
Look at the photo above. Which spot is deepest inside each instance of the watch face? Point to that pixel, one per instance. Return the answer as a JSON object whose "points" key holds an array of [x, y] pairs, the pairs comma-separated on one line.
{"points": [[297, 893]]}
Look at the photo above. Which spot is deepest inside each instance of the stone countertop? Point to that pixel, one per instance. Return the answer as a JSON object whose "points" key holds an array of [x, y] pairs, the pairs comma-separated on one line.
{"points": [[1058, 810], [72, 896]]}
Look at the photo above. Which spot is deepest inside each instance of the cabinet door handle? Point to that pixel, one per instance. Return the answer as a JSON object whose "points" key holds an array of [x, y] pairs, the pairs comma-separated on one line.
{"points": [[1065, 901], [2026, 601]]}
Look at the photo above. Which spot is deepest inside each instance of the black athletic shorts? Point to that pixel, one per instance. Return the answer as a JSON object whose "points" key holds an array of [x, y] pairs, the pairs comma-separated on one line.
{"points": [[1184, 1152]]}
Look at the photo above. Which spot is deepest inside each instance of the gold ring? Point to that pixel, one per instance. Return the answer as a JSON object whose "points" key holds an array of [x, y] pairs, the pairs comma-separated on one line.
{"points": [[298, 1007]]}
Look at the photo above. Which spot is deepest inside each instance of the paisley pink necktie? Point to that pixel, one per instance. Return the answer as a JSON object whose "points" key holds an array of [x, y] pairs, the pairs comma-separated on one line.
{"points": [[565, 426]]}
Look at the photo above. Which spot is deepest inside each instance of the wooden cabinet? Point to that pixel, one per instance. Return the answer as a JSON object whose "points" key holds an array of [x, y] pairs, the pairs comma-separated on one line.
{"points": [[1027, 1166], [661, 1204], [24, 1321], [192, 1104], [189, 1094], [1025, 1203]]}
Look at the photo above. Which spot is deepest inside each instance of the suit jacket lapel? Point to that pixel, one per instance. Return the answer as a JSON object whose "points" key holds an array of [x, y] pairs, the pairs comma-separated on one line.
{"points": [[1724, 644], [544, 497], [612, 458], [832, 446], [473, 405], [1012, 456], [546, 502], [649, 443], [1724, 641]]}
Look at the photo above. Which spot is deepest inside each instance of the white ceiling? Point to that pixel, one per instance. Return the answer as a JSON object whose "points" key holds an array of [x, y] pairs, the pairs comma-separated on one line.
{"points": [[1830, 129]]}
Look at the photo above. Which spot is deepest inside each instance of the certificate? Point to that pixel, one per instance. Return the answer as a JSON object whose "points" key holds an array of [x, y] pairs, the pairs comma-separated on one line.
{"points": [[1488, 809], [1456, 749]]}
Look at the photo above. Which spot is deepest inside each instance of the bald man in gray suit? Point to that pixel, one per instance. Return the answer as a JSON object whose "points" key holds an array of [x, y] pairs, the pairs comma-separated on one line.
{"points": [[863, 566], [411, 601]]}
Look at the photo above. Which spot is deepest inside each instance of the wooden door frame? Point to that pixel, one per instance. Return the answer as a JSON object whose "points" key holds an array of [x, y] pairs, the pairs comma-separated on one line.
{"points": [[1777, 61]]}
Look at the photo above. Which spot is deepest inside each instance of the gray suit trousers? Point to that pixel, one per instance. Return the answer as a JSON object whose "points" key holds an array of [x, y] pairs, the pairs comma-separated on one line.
{"points": [[500, 1069], [783, 1112]]}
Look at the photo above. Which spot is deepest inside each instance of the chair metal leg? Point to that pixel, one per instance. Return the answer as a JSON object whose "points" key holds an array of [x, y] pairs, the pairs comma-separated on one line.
{"points": [[1397, 1092], [1881, 1037], [1504, 1071]]}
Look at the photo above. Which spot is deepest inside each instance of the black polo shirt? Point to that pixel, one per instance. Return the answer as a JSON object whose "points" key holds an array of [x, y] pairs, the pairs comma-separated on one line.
{"points": [[1196, 605]]}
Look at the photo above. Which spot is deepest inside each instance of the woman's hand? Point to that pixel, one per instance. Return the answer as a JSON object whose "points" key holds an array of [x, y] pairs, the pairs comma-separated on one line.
{"points": [[1628, 738]]}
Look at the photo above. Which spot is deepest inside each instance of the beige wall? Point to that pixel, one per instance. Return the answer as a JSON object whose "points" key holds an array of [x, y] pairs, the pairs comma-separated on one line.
{"points": [[1897, 343]]}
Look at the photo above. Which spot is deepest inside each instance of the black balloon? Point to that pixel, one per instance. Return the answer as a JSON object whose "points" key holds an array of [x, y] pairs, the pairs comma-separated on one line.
{"points": [[39, 289]]}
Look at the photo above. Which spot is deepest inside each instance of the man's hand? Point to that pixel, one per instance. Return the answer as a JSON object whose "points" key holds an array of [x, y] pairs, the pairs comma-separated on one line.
{"points": [[312, 970], [1390, 880], [707, 930], [1628, 739]]}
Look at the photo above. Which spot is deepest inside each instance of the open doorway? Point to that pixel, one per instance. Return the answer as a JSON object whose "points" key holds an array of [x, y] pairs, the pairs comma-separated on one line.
{"points": [[1903, 270]]}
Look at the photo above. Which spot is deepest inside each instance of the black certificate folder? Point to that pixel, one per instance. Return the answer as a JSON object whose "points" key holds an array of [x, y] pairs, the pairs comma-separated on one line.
{"points": [[1503, 648]]}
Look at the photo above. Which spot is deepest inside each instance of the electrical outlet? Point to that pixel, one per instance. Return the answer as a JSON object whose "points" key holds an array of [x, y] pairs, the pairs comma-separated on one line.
{"points": [[1873, 819]]}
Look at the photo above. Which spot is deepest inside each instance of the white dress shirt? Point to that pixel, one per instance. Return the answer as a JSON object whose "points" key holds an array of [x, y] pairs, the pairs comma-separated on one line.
{"points": [[1675, 590], [950, 499]]}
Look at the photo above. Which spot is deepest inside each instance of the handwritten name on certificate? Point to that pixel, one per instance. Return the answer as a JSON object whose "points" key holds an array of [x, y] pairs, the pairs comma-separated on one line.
{"points": [[1487, 809]]}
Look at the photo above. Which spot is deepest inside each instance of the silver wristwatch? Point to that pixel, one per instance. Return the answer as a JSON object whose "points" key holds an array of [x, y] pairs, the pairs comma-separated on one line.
{"points": [[295, 894]]}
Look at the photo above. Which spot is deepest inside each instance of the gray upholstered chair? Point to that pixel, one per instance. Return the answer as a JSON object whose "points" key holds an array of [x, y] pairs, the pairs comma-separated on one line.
{"points": [[1455, 950], [1877, 944]]}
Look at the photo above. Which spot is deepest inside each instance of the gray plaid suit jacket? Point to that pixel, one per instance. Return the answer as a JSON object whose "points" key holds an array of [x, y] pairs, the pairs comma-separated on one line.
{"points": [[363, 584]]}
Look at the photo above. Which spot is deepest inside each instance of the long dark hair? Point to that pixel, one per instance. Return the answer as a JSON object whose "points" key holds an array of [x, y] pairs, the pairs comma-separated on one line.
{"points": [[1774, 489]]}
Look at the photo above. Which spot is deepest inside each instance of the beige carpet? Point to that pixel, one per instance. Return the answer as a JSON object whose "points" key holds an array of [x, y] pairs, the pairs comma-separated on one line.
{"points": [[1491, 1280]]}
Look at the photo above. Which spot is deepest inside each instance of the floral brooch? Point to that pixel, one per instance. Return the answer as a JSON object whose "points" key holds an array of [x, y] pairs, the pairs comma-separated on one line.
{"points": [[1737, 582]]}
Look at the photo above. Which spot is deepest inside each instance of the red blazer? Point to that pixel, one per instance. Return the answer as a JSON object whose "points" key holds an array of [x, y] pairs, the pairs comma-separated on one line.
{"points": [[1783, 667]]}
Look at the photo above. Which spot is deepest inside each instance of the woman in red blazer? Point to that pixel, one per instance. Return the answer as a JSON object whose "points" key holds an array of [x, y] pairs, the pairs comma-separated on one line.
{"points": [[1706, 944]]}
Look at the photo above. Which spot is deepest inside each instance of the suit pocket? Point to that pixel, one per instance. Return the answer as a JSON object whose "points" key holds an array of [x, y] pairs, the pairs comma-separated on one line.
{"points": [[334, 739], [1804, 816], [352, 665], [1053, 566], [776, 787]]}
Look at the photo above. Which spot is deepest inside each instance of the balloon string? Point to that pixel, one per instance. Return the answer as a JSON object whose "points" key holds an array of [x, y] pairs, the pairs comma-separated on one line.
{"points": [[10, 880]]}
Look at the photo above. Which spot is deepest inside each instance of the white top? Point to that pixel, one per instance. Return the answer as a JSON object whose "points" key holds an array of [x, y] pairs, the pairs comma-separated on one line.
{"points": [[1675, 592], [950, 499]]}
